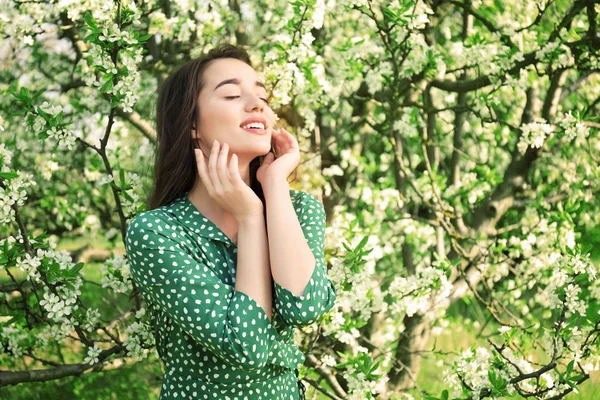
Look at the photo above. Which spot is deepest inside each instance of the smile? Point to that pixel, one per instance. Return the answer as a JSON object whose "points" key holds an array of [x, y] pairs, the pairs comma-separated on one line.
{"points": [[256, 131]]}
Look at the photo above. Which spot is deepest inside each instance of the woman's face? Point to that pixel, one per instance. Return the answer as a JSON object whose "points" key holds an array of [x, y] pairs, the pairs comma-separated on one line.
{"points": [[231, 95]]}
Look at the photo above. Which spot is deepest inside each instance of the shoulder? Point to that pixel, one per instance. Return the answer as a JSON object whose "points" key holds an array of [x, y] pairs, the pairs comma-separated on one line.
{"points": [[306, 203], [148, 223], [301, 197]]}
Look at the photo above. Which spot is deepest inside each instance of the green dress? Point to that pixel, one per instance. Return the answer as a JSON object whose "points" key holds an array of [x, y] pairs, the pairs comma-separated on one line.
{"points": [[217, 342]]}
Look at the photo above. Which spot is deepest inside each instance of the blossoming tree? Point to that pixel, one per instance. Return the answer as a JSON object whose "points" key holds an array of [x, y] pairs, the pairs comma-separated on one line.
{"points": [[456, 142]]}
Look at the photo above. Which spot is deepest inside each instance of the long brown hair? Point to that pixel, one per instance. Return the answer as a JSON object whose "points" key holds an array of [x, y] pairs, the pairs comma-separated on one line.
{"points": [[175, 168]]}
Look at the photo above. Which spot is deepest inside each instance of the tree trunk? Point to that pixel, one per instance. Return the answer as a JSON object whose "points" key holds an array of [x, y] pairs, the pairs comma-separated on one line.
{"points": [[408, 357]]}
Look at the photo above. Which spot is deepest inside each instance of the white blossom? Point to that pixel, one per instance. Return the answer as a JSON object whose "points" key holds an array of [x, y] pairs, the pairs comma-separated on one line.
{"points": [[92, 355]]}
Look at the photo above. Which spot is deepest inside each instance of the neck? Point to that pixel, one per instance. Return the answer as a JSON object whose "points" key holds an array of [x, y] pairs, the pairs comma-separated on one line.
{"points": [[202, 200]]}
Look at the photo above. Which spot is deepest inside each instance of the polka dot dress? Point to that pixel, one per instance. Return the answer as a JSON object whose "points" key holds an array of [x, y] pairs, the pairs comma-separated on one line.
{"points": [[217, 342]]}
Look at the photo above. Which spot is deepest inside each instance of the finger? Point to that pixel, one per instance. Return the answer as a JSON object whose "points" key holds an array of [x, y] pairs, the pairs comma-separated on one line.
{"points": [[212, 168], [203, 172], [222, 168], [269, 158], [234, 173], [290, 141], [282, 140], [276, 141], [289, 138]]}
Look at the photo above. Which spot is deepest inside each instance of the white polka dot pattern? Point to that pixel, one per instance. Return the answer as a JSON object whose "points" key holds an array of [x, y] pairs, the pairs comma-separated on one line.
{"points": [[217, 342]]}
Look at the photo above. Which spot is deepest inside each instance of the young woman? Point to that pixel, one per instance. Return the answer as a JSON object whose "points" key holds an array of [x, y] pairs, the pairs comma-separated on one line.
{"points": [[228, 258]]}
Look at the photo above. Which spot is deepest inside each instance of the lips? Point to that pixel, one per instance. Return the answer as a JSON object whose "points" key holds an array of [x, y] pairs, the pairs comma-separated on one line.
{"points": [[256, 131], [254, 119]]}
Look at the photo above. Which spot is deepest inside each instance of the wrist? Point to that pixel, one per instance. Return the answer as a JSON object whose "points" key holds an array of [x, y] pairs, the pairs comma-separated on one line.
{"points": [[250, 220], [275, 181]]}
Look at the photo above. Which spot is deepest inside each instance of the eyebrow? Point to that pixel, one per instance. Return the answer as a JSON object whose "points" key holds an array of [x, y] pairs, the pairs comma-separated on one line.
{"points": [[237, 82]]}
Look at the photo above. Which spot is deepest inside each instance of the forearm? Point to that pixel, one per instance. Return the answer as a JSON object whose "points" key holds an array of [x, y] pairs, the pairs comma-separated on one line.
{"points": [[292, 262], [253, 275]]}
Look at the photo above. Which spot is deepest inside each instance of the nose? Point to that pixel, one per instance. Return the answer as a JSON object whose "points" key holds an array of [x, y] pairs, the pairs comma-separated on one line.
{"points": [[255, 103]]}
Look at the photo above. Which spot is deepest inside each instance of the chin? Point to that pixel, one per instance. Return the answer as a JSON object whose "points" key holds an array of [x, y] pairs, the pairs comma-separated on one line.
{"points": [[259, 150]]}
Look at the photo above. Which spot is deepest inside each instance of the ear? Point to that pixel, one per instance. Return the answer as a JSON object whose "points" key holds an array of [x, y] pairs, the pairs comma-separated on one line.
{"points": [[194, 136]]}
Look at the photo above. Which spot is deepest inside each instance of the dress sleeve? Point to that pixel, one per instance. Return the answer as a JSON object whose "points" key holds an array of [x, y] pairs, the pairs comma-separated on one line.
{"points": [[320, 293], [226, 321]]}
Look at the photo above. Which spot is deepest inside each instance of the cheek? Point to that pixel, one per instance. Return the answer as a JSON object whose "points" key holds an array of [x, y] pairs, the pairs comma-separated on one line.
{"points": [[219, 114]]}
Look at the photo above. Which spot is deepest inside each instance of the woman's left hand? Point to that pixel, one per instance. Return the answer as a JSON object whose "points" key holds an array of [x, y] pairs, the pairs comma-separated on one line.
{"points": [[288, 158]]}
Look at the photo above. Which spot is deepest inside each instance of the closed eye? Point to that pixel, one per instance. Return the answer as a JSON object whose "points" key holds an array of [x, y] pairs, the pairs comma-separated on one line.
{"points": [[235, 97]]}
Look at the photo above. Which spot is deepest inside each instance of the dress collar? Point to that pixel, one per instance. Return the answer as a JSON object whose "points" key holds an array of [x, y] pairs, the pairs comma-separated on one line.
{"points": [[193, 219]]}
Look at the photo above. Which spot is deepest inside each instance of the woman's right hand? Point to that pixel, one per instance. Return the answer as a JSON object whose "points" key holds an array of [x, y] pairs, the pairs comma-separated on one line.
{"points": [[225, 185]]}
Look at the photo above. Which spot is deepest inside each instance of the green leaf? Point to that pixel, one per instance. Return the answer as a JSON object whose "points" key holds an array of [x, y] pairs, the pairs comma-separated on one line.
{"points": [[492, 377], [19, 95], [389, 13], [570, 367], [44, 114], [38, 93], [89, 19], [362, 243], [126, 195], [107, 86], [42, 135], [73, 271], [93, 37], [8, 175], [20, 112], [142, 39]]}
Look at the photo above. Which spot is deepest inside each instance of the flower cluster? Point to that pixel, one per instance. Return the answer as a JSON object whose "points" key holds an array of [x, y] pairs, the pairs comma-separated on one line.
{"points": [[556, 54], [472, 369], [59, 332], [533, 134], [12, 340], [563, 287], [14, 192], [92, 318], [92, 355], [120, 78], [412, 294], [470, 185], [130, 203], [30, 266], [115, 274], [408, 124], [574, 128], [56, 307], [360, 388], [139, 337]]}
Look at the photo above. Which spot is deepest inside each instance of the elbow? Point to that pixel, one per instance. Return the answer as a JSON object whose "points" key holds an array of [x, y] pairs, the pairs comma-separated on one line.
{"points": [[252, 360], [304, 318], [310, 314], [248, 353]]}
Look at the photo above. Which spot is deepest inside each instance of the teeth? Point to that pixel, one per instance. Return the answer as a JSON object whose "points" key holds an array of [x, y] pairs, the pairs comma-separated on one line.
{"points": [[258, 125]]}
